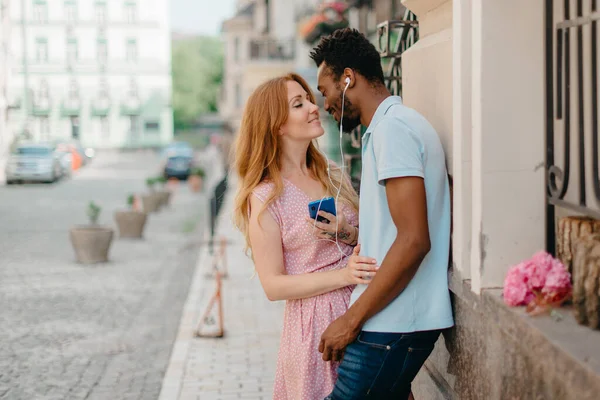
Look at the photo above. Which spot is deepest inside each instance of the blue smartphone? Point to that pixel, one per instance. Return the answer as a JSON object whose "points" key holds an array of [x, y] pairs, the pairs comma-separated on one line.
{"points": [[326, 204]]}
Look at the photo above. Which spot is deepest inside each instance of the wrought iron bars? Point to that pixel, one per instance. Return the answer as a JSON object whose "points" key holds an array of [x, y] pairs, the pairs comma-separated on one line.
{"points": [[394, 38], [565, 100]]}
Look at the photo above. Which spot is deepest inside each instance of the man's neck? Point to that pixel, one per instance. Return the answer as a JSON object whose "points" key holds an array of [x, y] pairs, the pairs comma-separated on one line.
{"points": [[370, 105]]}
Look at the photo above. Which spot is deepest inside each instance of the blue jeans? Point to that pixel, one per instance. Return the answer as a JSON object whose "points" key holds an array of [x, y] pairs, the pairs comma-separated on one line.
{"points": [[382, 365]]}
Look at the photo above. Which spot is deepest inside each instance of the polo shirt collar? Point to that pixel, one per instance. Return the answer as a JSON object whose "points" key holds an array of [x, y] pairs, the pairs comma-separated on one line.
{"points": [[381, 110]]}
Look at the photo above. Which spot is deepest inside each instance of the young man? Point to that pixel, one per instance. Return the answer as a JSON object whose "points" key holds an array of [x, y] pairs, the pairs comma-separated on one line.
{"points": [[393, 323]]}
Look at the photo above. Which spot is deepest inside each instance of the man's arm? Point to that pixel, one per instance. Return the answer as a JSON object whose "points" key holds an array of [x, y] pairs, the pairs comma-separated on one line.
{"points": [[408, 208]]}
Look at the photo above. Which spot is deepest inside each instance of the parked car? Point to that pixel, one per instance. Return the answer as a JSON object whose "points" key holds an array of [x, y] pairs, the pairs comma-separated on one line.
{"points": [[177, 149], [34, 162], [66, 160], [178, 166]]}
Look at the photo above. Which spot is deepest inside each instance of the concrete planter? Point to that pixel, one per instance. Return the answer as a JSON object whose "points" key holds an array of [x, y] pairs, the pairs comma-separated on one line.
{"points": [[130, 223], [165, 197], [151, 202], [91, 243], [195, 183]]}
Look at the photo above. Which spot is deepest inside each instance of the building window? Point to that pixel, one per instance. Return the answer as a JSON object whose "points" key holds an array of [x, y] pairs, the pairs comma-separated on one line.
{"points": [[236, 49], [104, 126], [131, 50], [238, 95], [73, 94], [70, 11], [152, 126], [133, 89], [43, 90], [103, 91], [41, 50], [130, 11], [72, 50], [100, 12], [134, 122], [102, 50], [267, 17], [40, 11], [44, 127]]}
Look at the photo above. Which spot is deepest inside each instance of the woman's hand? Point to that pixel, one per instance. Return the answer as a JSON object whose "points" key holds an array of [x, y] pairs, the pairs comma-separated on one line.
{"points": [[360, 269], [323, 230]]}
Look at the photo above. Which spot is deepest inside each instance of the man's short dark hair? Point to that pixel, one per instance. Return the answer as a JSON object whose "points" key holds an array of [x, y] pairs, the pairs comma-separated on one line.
{"points": [[348, 48]]}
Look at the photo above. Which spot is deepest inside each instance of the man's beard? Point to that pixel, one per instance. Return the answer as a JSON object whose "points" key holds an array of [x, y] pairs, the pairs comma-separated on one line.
{"points": [[349, 121]]}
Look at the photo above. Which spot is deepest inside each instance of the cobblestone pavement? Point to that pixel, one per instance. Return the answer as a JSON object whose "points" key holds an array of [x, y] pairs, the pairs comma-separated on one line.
{"points": [[242, 364], [104, 332]]}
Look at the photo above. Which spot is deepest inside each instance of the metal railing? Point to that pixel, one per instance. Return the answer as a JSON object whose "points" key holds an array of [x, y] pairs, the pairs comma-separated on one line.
{"points": [[394, 38], [271, 49], [571, 69]]}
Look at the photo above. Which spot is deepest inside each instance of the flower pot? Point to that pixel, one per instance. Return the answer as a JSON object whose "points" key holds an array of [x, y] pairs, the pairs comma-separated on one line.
{"points": [[164, 196], [130, 223], [151, 202], [195, 183], [91, 243], [173, 183]]}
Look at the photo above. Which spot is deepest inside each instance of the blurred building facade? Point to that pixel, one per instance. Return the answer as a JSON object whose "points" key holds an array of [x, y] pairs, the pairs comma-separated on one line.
{"points": [[98, 71], [5, 132], [261, 42]]}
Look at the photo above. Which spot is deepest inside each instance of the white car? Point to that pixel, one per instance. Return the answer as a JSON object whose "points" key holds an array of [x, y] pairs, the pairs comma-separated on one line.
{"points": [[34, 162]]}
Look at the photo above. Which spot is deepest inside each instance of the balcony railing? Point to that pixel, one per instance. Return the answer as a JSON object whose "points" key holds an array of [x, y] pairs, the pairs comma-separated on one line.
{"points": [[272, 50], [572, 164]]}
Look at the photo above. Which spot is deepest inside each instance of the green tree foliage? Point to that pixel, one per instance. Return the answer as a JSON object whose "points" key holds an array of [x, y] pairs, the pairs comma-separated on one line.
{"points": [[197, 65]]}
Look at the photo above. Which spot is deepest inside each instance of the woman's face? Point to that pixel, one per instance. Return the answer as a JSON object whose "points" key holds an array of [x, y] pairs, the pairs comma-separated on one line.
{"points": [[303, 122]]}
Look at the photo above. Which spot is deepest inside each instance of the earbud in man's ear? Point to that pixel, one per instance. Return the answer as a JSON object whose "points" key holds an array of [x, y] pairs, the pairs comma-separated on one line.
{"points": [[347, 80]]}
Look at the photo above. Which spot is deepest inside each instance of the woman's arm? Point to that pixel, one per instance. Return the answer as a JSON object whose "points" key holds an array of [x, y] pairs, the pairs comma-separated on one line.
{"points": [[265, 239]]}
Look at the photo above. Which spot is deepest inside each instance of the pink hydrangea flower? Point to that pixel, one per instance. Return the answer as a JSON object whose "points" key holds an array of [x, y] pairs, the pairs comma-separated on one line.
{"points": [[515, 292], [542, 264], [558, 281], [541, 275]]}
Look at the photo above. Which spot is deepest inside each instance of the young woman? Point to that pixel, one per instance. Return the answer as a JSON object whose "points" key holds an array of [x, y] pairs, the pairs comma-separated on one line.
{"points": [[309, 264]]}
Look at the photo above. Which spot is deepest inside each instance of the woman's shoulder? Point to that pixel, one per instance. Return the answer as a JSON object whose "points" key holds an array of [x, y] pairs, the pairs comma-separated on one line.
{"points": [[264, 189]]}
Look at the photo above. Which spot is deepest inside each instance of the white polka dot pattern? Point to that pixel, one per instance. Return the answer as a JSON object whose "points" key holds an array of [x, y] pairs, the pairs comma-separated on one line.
{"points": [[301, 372]]}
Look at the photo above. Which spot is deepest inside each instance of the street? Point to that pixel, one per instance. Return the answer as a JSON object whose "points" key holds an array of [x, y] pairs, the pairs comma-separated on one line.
{"points": [[101, 332]]}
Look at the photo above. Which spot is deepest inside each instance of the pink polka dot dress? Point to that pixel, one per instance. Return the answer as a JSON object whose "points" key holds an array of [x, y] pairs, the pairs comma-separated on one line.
{"points": [[301, 372]]}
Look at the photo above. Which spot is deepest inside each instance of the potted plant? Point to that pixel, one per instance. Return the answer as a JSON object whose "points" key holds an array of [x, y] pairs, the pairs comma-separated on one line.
{"points": [[196, 179], [131, 222], [91, 242], [151, 201], [164, 194]]}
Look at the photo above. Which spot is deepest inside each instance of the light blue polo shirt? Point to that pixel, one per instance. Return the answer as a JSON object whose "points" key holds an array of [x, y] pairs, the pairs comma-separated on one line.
{"points": [[400, 142]]}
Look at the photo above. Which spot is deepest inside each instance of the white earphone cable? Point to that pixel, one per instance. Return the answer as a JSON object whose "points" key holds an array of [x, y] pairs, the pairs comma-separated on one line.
{"points": [[339, 187]]}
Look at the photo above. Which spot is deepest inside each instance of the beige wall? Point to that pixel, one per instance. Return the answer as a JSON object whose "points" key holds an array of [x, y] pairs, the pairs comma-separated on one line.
{"points": [[491, 123], [427, 68]]}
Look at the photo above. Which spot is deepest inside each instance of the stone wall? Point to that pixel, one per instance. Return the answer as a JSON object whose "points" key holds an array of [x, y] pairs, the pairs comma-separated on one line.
{"points": [[499, 353]]}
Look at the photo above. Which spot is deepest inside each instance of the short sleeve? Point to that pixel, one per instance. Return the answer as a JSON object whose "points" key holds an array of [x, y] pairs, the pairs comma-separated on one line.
{"points": [[399, 152], [262, 192]]}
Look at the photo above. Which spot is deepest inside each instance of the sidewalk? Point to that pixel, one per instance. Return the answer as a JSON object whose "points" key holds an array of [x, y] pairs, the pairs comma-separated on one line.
{"points": [[242, 364]]}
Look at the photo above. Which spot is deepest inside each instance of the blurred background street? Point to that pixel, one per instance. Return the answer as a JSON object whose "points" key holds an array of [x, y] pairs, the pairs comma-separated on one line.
{"points": [[99, 332]]}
